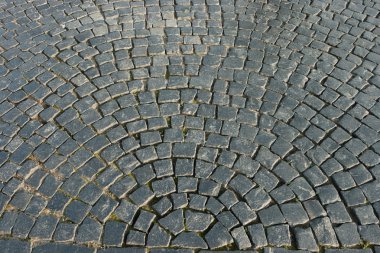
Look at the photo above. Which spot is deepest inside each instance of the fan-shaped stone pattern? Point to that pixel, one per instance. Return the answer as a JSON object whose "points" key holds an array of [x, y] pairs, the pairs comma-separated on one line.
{"points": [[189, 124]]}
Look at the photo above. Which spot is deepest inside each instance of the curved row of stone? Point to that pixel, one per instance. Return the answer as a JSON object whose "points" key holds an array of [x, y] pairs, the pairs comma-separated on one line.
{"points": [[191, 124]]}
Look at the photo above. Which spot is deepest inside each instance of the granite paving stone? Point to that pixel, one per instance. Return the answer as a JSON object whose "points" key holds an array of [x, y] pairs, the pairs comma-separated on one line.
{"points": [[89, 231], [15, 245], [324, 232], [305, 239], [348, 234], [197, 221], [189, 126], [279, 235], [218, 236], [189, 240], [65, 232], [114, 233]]}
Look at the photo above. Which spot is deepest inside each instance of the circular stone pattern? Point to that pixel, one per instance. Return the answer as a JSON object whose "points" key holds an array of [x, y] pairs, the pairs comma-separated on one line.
{"points": [[189, 124]]}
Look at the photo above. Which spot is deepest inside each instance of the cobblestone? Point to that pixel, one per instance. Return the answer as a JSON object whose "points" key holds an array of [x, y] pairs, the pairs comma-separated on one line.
{"points": [[189, 126]]}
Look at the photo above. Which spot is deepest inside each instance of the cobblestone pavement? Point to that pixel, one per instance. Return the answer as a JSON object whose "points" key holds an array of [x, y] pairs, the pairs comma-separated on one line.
{"points": [[189, 125]]}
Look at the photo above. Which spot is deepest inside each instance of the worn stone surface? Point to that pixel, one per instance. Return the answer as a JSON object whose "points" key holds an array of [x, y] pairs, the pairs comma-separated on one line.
{"points": [[192, 125], [10, 246]]}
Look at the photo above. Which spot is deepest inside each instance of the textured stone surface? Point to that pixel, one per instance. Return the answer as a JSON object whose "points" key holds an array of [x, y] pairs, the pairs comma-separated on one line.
{"points": [[189, 125]]}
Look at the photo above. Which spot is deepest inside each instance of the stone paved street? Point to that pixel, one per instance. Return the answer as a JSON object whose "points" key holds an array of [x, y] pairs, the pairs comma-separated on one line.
{"points": [[186, 126]]}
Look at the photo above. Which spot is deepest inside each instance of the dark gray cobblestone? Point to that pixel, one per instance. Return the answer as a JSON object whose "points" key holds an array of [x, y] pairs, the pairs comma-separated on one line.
{"points": [[189, 126]]}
